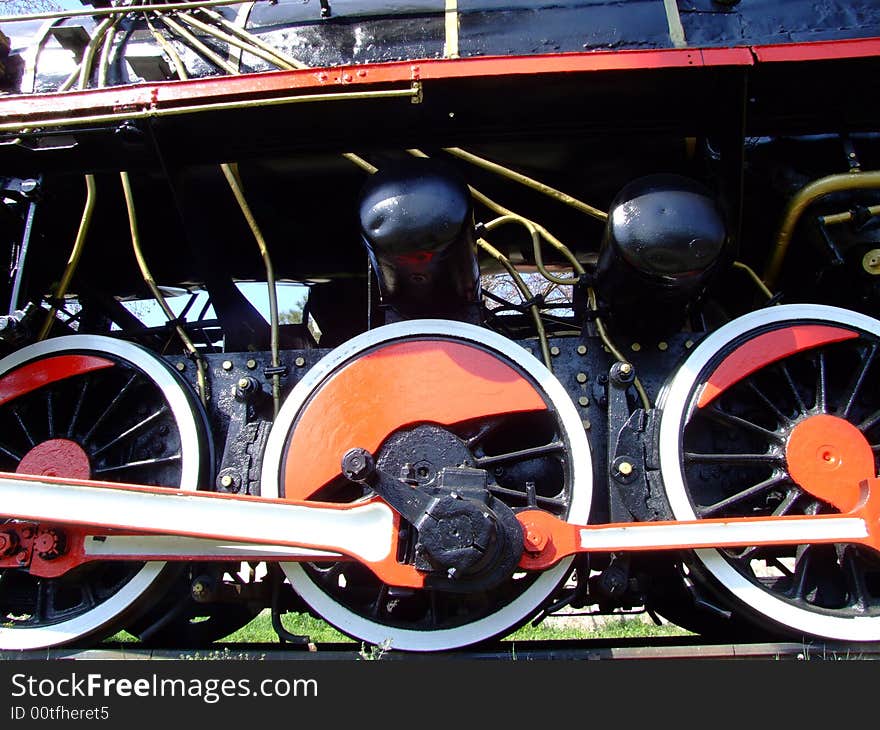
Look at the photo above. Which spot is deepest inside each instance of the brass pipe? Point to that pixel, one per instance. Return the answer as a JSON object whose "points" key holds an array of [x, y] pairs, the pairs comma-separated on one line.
{"points": [[806, 196], [170, 50], [360, 162], [78, 246], [528, 182], [81, 73], [188, 37], [156, 292], [230, 171], [91, 188], [846, 216], [106, 49], [526, 294], [252, 39], [536, 247], [117, 10], [221, 106], [234, 41], [754, 277]]}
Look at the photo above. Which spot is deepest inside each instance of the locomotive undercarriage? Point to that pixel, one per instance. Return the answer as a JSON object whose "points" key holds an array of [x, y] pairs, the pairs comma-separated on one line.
{"points": [[661, 360]]}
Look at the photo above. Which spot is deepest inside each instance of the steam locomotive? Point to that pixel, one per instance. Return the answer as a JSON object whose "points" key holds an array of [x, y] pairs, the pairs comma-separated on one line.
{"points": [[434, 318]]}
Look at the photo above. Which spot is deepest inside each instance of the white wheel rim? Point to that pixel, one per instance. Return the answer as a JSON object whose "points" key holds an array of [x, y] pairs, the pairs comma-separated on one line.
{"points": [[94, 619], [579, 509], [674, 404]]}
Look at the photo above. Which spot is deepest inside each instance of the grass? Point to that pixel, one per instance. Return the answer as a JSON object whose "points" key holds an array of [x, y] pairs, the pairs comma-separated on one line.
{"points": [[260, 631]]}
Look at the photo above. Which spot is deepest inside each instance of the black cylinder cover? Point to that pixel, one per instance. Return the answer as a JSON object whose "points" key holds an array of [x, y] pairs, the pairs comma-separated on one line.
{"points": [[417, 223], [664, 236]]}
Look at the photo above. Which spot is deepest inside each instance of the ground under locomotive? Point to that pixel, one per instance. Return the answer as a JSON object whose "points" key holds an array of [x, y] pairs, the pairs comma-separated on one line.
{"points": [[609, 262]]}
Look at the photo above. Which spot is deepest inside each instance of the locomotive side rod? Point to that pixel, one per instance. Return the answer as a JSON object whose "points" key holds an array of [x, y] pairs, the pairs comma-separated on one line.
{"points": [[67, 522]]}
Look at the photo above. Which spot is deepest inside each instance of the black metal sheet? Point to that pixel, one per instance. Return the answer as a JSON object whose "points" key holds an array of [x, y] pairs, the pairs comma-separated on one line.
{"points": [[525, 27], [285, 12], [759, 22]]}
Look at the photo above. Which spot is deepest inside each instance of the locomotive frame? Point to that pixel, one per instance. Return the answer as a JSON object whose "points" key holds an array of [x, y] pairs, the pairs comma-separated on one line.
{"points": [[660, 390]]}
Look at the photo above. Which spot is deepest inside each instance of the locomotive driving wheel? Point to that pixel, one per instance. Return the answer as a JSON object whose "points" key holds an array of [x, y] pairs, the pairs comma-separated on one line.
{"points": [[753, 415], [85, 407], [422, 396]]}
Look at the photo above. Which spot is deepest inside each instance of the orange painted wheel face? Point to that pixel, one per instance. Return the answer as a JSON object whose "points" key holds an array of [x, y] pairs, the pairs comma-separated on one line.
{"points": [[395, 386], [829, 457], [46, 371], [765, 349]]}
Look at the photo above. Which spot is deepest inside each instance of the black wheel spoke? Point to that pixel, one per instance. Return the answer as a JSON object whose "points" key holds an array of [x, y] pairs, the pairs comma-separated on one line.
{"points": [[521, 454], [44, 600], [730, 419], [784, 507], [78, 407], [853, 570], [870, 421], [859, 380], [770, 405], [14, 455], [742, 496], [50, 413], [821, 383], [89, 600], [27, 433], [801, 568], [487, 428], [799, 401], [117, 399], [138, 464], [376, 608], [779, 565], [691, 457], [140, 425]]}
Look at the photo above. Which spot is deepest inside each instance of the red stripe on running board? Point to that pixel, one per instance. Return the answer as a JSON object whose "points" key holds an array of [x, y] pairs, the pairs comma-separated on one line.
{"points": [[765, 349], [35, 375]]}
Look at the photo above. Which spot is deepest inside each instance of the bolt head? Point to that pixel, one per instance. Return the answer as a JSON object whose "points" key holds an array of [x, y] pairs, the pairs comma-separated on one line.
{"points": [[625, 468], [226, 481], [357, 464], [227, 365], [535, 540]]}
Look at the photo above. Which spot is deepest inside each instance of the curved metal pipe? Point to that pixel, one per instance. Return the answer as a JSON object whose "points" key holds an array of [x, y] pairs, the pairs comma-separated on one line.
{"points": [[78, 246], [805, 197]]}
